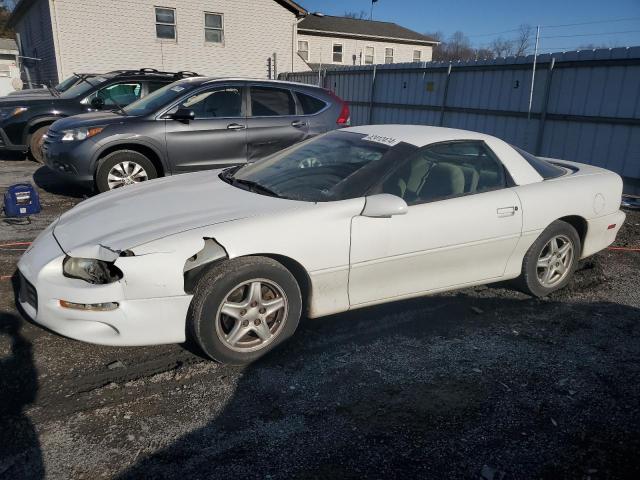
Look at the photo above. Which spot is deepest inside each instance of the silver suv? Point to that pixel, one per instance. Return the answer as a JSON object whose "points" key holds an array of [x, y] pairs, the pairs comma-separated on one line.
{"points": [[192, 124]]}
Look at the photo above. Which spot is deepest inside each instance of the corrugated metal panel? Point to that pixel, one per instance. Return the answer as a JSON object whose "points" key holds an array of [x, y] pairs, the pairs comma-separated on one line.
{"points": [[591, 100]]}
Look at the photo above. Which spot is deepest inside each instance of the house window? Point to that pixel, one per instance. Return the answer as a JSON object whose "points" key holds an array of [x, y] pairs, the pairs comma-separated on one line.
{"points": [[213, 28], [388, 55], [166, 23], [369, 54], [337, 53], [303, 49], [417, 56]]}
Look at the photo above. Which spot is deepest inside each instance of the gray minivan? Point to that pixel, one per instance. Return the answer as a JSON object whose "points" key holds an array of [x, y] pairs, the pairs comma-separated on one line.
{"points": [[192, 124]]}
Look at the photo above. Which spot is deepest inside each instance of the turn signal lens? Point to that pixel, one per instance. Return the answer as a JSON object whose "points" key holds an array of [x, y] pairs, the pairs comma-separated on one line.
{"points": [[94, 307]]}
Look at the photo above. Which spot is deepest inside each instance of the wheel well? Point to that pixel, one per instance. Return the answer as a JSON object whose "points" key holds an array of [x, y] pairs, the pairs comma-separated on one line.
{"points": [[580, 224], [136, 147], [299, 273]]}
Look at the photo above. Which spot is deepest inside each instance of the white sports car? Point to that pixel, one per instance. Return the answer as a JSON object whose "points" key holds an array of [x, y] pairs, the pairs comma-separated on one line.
{"points": [[352, 218]]}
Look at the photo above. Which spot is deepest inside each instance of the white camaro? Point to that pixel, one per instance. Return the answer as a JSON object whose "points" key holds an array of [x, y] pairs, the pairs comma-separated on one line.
{"points": [[355, 217]]}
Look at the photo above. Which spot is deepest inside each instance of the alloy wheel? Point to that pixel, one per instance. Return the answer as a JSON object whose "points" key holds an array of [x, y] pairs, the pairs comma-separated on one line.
{"points": [[126, 173], [252, 315], [555, 260]]}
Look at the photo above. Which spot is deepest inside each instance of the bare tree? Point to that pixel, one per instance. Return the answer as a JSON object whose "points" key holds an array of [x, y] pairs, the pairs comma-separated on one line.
{"points": [[485, 54], [362, 15], [523, 40], [502, 47]]}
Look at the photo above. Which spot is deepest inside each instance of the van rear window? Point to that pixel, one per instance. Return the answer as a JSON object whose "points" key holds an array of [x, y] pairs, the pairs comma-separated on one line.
{"points": [[546, 169]]}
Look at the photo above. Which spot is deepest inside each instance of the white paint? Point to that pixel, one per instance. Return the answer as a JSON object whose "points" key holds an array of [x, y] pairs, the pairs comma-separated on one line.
{"points": [[351, 260]]}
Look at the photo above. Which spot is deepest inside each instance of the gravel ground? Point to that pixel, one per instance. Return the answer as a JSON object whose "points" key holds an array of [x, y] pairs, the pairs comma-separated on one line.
{"points": [[481, 383]]}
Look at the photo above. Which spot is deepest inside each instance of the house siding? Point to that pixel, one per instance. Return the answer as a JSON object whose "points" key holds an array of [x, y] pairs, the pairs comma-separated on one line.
{"points": [[99, 35], [321, 49], [36, 36]]}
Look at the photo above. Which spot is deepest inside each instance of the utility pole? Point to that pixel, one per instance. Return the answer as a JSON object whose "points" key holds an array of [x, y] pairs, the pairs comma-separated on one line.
{"points": [[533, 73]]}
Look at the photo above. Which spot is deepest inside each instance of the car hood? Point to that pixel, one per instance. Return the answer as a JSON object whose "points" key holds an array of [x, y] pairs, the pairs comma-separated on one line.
{"points": [[32, 100], [89, 120], [109, 223]]}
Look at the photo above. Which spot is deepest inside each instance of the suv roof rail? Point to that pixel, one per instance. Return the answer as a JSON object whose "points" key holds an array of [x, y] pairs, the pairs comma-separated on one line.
{"points": [[145, 71]]}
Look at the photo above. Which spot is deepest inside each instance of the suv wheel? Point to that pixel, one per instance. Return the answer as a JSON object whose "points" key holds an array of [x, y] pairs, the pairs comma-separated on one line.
{"points": [[124, 167], [35, 144]]}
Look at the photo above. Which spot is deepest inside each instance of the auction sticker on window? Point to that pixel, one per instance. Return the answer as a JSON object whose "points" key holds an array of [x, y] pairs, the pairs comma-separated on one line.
{"points": [[390, 141]]}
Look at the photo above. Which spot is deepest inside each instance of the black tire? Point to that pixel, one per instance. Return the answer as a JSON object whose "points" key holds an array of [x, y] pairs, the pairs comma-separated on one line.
{"points": [[529, 282], [35, 144], [211, 292], [108, 162]]}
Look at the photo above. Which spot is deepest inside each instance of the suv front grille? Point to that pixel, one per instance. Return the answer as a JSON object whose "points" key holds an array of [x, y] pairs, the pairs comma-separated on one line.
{"points": [[26, 291]]}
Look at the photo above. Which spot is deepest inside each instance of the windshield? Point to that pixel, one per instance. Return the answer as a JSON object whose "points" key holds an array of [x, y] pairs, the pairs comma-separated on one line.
{"points": [[158, 99], [335, 166], [67, 83], [83, 87]]}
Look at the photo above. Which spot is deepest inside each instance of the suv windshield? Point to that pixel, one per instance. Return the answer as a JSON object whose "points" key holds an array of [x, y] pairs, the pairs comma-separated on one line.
{"points": [[335, 166], [157, 99], [83, 87], [67, 83]]}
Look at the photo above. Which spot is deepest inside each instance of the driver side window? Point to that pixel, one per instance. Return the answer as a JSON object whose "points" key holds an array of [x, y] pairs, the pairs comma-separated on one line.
{"points": [[446, 170], [119, 94], [225, 102]]}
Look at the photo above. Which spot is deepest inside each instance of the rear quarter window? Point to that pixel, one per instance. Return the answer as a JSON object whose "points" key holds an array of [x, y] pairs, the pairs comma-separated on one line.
{"points": [[310, 105], [547, 170]]}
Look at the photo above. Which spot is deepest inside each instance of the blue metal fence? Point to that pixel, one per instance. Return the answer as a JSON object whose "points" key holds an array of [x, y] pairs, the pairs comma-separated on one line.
{"points": [[585, 105]]}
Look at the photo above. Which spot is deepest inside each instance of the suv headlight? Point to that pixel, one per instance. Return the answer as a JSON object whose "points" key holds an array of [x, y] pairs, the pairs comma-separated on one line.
{"points": [[80, 133], [7, 112], [97, 272]]}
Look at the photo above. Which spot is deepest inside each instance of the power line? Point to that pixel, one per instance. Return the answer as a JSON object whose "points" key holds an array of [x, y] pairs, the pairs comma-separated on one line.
{"points": [[558, 26], [590, 34]]}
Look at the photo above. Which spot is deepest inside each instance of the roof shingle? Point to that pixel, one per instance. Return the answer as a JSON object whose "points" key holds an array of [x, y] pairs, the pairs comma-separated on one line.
{"points": [[360, 28]]}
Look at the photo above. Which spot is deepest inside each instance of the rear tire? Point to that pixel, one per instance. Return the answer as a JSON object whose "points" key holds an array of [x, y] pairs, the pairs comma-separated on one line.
{"points": [[551, 261], [35, 144], [244, 308], [128, 165]]}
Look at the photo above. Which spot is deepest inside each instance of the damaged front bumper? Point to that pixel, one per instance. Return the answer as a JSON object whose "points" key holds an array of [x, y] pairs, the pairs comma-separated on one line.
{"points": [[149, 309]]}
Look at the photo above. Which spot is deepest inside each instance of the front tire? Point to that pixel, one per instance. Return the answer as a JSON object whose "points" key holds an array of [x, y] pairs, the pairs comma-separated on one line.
{"points": [[244, 308], [551, 261], [35, 143], [123, 167]]}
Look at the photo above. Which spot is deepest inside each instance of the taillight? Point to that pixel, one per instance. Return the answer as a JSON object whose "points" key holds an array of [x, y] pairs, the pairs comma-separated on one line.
{"points": [[344, 119]]}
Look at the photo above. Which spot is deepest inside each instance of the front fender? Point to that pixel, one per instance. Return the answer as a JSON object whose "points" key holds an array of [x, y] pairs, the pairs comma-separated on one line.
{"points": [[123, 140]]}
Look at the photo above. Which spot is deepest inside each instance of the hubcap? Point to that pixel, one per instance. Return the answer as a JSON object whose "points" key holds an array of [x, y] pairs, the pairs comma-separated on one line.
{"points": [[554, 262], [252, 315], [126, 173]]}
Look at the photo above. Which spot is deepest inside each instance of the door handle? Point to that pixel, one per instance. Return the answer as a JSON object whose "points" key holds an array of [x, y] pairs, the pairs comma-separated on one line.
{"points": [[298, 124], [236, 126], [506, 211]]}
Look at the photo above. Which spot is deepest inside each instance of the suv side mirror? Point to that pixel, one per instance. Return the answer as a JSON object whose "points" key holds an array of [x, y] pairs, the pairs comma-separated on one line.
{"points": [[184, 114], [97, 103], [384, 205]]}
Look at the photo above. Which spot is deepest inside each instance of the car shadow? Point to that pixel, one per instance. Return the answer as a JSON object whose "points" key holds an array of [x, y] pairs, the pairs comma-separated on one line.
{"points": [[20, 452], [10, 156], [370, 394], [54, 183]]}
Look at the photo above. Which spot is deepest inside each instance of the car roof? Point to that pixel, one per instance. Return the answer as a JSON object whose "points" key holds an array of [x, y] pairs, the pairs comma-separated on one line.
{"points": [[255, 80], [418, 135]]}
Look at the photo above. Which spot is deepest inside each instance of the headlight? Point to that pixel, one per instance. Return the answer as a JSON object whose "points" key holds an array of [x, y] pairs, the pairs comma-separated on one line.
{"points": [[80, 133], [8, 112], [90, 270]]}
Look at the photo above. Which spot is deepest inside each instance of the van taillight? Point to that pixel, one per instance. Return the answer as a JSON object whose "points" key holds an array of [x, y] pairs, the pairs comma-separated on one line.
{"points": [[344, 119]]}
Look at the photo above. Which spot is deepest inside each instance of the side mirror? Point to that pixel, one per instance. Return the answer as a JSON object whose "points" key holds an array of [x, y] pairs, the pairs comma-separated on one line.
{"points": [[97, 103], [184, 114], [384, 205]]}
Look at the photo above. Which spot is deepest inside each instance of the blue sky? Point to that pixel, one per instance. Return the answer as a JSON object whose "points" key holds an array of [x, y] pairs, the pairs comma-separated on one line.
{"points": [[481, 20]]}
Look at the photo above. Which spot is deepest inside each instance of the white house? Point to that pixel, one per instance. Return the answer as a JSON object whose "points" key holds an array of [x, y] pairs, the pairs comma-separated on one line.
{"points": [[211, 37], [323, 39], [9, 71], [253, 38]]}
